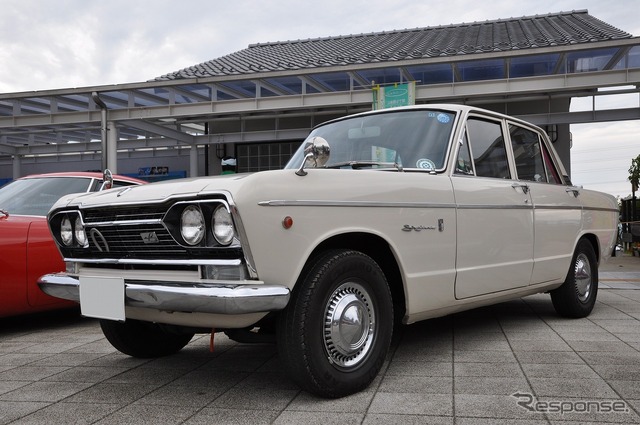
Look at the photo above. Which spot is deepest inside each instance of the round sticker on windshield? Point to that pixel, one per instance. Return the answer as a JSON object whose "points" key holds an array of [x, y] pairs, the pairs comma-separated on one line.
{"points": [[443, 118], [425, 164]]}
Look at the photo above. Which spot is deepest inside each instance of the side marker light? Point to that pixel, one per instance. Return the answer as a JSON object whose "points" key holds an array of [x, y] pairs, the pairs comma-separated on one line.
{"points": [[287, 222]]}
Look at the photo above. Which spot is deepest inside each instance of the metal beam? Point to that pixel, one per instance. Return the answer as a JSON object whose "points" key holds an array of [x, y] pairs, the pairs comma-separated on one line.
{"points": [[160, 130], [512, 87], [583, 117]]}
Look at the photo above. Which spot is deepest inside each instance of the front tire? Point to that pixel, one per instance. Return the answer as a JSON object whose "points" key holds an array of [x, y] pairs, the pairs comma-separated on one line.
{"points": [[335, 333], [577, 295], [143, 339]]}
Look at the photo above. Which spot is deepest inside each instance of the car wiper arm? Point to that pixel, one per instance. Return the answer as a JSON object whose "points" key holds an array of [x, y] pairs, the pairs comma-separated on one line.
{"points": [[361, 164], [6, 213]]}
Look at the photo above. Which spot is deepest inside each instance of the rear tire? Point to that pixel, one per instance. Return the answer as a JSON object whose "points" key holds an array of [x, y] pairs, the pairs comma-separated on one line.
{"points": [[143, 339], [335, 333], [577, 295]]}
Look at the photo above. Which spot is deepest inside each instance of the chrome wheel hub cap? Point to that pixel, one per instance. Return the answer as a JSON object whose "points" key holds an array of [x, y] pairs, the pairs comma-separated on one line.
{"points": [[583, 277], [349, 323]]}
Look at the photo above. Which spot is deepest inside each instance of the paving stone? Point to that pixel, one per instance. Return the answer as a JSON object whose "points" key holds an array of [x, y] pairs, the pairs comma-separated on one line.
{"points": [[578, 388], [317, 418], [548, 357], [417, 384], [412, 404], [492, 406], [152, 415], [490, 386], [238, 415], [68, 413], [44, 391], [571, 371], [355, 403]]}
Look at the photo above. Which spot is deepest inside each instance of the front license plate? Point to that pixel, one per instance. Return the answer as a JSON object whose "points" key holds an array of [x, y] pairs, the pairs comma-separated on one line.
{"points": [[102, 297]]}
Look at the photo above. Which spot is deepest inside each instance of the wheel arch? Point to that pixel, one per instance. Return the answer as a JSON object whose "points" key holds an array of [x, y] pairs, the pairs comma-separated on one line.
{"points": [[595, 243], [379, 250]]}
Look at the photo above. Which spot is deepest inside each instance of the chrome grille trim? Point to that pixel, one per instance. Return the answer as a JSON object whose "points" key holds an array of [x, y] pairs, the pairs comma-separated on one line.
{"points": [[133, 261], [125, 223]]}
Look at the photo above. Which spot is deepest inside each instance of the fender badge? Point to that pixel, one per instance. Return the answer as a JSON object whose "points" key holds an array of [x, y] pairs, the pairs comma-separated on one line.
{"points": [[412, 228], [409, 228]]}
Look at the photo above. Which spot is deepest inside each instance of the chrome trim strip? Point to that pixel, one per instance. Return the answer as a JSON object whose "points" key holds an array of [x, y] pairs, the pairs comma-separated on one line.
{"points": [[223, 298], [125, 223], [601, 209], [133, 261], [366, 204], [495, 207], [379, 204], [559, 207]]}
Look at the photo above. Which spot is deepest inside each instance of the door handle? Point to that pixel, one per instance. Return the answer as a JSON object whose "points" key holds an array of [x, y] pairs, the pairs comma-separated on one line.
{"points": [[524, 187], [575, 190]]}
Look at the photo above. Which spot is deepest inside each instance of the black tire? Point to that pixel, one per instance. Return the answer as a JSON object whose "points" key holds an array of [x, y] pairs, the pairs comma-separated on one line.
{"points": [[577, 295], [143, 339], [335, 333]]}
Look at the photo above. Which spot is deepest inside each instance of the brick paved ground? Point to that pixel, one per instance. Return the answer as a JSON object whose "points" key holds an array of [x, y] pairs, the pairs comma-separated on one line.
{"points": [[462, 369]]}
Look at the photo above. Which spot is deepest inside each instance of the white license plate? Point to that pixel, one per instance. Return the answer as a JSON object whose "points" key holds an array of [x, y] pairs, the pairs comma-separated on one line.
{"points": [[102, 297]]}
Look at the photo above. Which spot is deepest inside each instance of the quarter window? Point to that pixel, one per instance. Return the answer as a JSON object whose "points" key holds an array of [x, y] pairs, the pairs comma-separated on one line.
{"points": [[488, 148], [527, 154], [533, 162]]}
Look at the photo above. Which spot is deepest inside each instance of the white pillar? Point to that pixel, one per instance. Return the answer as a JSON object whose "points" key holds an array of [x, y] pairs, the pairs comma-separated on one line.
{"points": [[193, 161], [17, 162], [112, 147]]}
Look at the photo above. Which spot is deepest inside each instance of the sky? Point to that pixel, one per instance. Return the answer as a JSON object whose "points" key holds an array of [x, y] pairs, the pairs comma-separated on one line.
{"points": [[81, 43]]}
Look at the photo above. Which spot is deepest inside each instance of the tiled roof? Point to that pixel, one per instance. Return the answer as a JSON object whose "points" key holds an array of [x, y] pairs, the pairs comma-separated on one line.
{"points": [[527, 32]]}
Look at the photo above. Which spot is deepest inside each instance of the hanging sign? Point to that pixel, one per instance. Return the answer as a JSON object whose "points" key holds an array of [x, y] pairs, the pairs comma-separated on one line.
{"points": [[394, 95]]}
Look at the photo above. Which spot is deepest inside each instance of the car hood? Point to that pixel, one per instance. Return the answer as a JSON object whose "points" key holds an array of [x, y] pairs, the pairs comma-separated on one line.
{"points": [[151, 193]]}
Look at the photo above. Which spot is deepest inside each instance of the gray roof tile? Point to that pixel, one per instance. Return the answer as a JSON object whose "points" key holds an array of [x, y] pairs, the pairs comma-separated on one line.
{"points": [[527, 32]]}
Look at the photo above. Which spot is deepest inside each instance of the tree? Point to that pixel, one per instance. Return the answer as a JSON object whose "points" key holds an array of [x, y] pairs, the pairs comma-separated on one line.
{"points": [[634, 174], [634, 178]]}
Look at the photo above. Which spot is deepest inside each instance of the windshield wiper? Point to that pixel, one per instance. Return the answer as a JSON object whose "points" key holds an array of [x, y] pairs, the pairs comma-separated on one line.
{"points": [[4, 212], [361, 164]]}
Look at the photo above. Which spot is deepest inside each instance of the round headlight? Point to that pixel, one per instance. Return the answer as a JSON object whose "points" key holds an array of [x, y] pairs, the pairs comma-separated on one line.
{"points": [[78, 231], [222, 225], [66, 231], [192, 225]]}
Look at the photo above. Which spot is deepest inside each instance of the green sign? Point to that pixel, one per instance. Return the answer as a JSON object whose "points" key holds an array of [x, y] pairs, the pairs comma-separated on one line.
{"points": [[394, 96]]}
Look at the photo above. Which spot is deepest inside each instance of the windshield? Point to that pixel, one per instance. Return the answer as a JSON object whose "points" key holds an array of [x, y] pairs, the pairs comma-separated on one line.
{"points": [[36, 196], [416, 139]]}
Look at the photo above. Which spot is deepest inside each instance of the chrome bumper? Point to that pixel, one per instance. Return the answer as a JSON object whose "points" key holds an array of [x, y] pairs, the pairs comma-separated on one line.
{"points": [[184, 297]]}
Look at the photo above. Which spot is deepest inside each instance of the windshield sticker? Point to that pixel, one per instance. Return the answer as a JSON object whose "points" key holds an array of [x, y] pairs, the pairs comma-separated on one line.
{"points": [[443, 118], [426, 164]]}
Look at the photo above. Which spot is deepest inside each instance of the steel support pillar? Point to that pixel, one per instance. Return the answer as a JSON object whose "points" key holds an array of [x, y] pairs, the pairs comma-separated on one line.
{"points": [[112, 147], [193, 161], [17, 162]]}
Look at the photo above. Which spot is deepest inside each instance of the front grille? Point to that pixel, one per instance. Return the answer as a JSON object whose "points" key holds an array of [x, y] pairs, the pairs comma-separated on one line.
{"points": [[137, 233], [130, 241], [155, 212]]}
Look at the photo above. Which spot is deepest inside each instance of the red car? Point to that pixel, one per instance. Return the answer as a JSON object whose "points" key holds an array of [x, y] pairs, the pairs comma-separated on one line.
{"points": [[27, 250]]}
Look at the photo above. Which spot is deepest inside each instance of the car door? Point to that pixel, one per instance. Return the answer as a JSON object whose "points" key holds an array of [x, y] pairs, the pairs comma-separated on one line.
{"points": [[494, 214], [557, 208]]}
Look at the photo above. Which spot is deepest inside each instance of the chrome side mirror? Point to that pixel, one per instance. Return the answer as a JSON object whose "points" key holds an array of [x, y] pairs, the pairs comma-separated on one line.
{"points": [[107, 179], [316, 154]]}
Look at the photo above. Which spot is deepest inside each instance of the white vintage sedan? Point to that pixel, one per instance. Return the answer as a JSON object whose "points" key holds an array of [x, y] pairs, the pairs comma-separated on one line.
{"points": [[380, 218]]}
